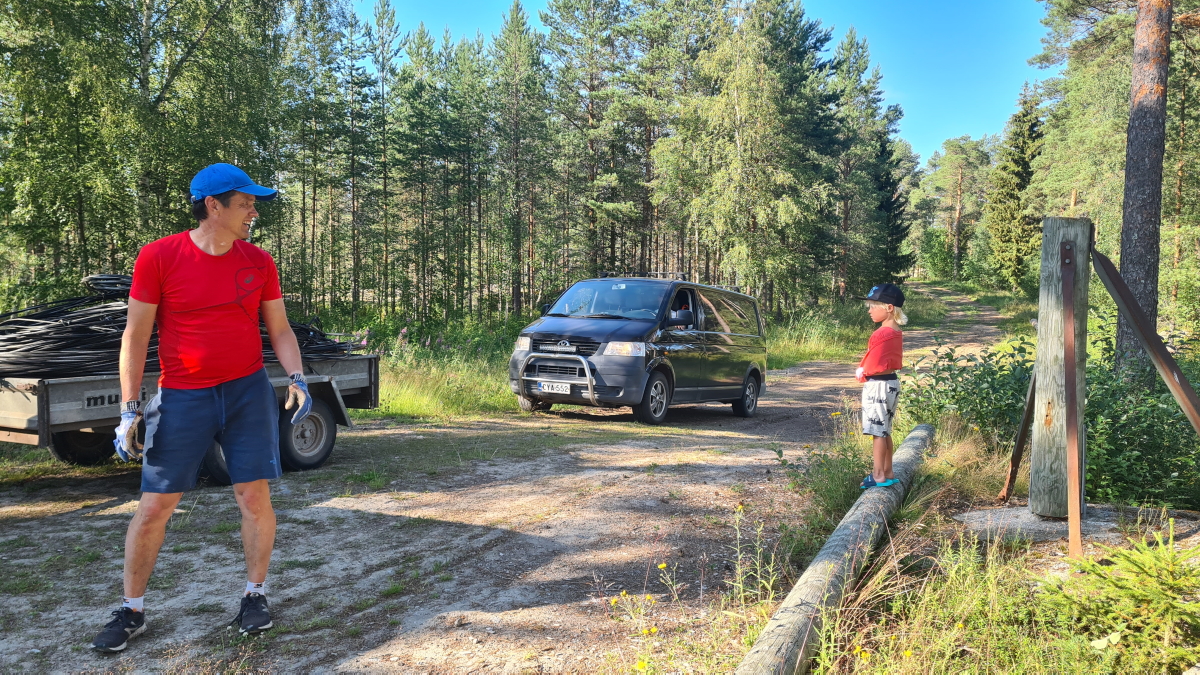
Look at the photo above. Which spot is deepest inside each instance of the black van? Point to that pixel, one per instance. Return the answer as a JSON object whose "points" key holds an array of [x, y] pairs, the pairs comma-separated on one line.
{"points": [[645, 343]]}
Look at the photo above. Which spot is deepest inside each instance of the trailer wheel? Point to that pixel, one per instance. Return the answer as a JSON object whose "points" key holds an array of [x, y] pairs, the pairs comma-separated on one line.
{"points": [[309, 444], [84, 448], [214, 468]]}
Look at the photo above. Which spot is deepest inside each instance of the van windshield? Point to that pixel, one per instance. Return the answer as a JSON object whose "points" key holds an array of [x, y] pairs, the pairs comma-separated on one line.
{"points": [[613, 299]]}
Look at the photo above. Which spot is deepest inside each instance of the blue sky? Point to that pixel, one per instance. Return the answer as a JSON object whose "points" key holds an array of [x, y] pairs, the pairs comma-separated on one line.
{"points": [[955, 66]]}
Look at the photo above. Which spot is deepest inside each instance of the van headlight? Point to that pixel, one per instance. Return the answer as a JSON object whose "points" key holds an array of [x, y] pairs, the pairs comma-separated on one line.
{"points": [[625, 349], [524, 344]]}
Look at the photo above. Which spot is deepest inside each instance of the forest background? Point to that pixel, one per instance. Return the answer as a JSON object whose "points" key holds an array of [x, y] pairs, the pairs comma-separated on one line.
{"points": [[429, 183]]}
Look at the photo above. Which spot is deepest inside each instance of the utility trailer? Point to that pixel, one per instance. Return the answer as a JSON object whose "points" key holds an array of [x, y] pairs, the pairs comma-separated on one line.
{"points": [[75, 417]]}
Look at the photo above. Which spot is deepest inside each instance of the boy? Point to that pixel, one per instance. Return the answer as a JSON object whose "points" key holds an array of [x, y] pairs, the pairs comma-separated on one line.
{"points": [[881, 386]]}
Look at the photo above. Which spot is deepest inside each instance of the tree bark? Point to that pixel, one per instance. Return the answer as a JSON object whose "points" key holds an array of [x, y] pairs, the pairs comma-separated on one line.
{"points": [[1145, 145]]}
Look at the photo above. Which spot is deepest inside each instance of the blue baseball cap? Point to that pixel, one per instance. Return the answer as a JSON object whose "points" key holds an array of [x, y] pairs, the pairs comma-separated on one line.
{"points": [[214, 179], [888, 294]]}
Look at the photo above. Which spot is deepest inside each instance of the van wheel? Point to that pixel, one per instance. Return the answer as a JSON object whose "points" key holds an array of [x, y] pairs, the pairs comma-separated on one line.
{"points": [[309, 443], [653, 408], [747, 405], [83, 448], [532, 404]]}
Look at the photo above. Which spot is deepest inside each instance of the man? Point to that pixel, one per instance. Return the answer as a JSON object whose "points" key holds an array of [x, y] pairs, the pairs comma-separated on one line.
{"points": [[206, 288]]}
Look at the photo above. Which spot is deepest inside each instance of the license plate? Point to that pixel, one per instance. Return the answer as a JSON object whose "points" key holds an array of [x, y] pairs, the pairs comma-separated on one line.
{"points": [[554, 387]]}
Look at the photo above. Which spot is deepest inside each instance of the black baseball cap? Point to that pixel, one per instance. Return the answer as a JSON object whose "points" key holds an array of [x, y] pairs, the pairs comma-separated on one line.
{"points": [[888, 294]]}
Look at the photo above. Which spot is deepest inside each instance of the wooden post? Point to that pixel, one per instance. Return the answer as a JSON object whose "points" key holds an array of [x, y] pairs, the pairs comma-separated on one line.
{"points": [[1048, 456]]}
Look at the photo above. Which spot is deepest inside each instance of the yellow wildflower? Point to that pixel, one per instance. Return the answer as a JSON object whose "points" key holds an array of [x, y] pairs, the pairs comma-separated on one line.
{"points": [[653, 630], [614, 601], [834, 414], [623, 594], [645, 631], [649, 598], [662, 566], [907, 653], [958, 625], [641, 665]]}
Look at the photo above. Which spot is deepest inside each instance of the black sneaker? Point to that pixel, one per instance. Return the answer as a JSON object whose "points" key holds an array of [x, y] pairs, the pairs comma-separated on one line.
{"points": [[254, 617], [117, 633]]}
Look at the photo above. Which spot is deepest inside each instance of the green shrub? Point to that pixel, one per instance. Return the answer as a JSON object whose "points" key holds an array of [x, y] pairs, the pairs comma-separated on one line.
{"points": [[987, 390], [1140, 446], [1140, 603]]}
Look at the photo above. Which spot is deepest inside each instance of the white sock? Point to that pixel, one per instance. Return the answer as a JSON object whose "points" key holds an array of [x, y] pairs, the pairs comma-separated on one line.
{"points": [[251, 587], [133, 603]]}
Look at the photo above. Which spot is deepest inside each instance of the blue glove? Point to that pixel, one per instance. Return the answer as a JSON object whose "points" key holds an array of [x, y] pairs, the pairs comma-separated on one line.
{"points": [[128, 449], [298, 397]]}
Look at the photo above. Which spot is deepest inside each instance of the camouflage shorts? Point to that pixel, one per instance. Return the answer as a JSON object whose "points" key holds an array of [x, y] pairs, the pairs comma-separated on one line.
{"points": [[879, 406]]}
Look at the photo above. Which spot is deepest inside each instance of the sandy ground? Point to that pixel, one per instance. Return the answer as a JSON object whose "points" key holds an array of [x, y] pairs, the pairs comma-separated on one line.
{"points": [[489, 545]]}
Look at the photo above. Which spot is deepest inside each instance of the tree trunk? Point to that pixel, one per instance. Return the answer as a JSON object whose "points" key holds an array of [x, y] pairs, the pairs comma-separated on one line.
{"points": [[1146, 140]]}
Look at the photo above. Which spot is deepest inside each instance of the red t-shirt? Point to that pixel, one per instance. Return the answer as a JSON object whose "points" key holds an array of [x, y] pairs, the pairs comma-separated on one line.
{"points": [[207, 308], [885, 351]]}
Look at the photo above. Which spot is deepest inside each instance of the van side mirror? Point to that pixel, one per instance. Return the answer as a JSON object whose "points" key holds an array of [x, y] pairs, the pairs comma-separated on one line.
{"points": [[682, 317], [545, 309]]}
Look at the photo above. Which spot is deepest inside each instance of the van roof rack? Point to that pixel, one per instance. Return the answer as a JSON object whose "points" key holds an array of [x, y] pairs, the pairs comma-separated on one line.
{"points": [[681, 276]]}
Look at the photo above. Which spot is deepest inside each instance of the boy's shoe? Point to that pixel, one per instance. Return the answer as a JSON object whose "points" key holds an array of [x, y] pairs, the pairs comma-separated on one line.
{"points": [[254, 617], [889, 482], [868, 482], [117, 633]]}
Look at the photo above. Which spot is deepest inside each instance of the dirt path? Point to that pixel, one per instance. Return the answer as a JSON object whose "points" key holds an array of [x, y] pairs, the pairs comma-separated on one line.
{"points": [[475, 546]]}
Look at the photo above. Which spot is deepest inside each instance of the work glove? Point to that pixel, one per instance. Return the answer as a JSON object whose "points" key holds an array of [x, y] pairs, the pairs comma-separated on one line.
{"points": [[126, 443], [858, 375], [299, 398]]}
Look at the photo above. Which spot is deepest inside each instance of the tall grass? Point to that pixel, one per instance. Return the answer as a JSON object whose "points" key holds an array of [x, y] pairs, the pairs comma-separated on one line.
{"points": [[837, 332], [935, 601]]}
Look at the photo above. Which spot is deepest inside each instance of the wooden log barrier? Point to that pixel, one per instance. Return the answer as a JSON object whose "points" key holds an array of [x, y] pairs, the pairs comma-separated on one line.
{"points": [[1048, 484], [786, 644]]}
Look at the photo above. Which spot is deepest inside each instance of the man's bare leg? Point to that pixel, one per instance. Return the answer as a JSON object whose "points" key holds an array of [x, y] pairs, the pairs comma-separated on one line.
{"points": [[145, 537], [258, 527]]}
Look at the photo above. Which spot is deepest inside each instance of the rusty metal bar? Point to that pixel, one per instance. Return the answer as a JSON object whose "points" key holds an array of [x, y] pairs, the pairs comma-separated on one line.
{"points": [[1168, 370], [1069, 255], [1014, 462]]}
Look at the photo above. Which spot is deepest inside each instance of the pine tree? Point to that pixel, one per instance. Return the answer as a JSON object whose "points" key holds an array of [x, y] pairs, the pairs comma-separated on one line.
{"points": [[1013, 228], [891, 170]]}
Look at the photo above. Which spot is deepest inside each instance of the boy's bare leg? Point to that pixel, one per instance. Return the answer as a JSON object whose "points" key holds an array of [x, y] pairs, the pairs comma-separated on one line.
{"points": [[887, 469], [145, 537], [258, 527], [882, 458]]}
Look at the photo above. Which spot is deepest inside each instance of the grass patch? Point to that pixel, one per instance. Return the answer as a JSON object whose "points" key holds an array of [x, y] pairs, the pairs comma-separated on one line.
{"points": [[397, 588], [22, 541], [423, 387], [222, 528], [299, 564], [25, 464], [15, 583], [374, 479], [207, 608]]}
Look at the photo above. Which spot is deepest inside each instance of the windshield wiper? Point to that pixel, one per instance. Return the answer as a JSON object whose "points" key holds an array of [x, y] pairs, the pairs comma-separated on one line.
{"points": [[604, 316], [557, 314]]}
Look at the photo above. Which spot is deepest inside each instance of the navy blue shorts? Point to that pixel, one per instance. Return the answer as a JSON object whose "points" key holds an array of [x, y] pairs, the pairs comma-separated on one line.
{"points": [[182, 424]]}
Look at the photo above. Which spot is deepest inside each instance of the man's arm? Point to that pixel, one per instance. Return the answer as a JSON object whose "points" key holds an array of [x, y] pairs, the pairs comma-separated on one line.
{"points": [[283, 340], [139, 326]]}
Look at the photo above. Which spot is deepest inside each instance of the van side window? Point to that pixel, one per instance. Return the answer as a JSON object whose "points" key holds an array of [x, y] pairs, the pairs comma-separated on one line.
{"points": [[684, 299], [749, 309], [725, 313]]}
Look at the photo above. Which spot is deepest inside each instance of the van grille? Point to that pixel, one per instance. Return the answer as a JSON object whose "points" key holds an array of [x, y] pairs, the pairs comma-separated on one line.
{"points": [[544, 369], [581, 348]]}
